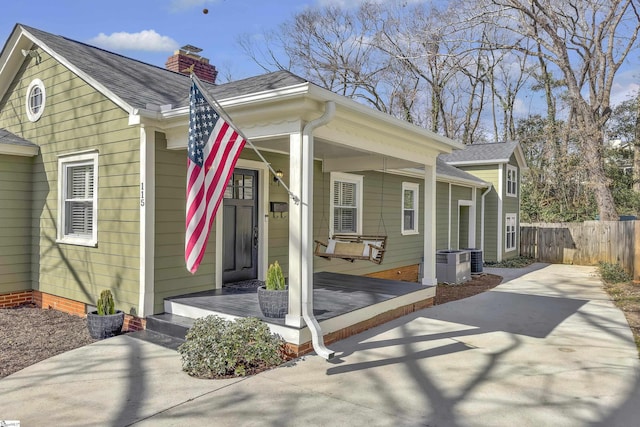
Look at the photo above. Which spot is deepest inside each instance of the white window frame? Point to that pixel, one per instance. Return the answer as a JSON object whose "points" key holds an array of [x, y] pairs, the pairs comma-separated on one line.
{"points": [[64, 164], [353, 179], [511, 221], [32, 115], [512, 184], [415, 188]]}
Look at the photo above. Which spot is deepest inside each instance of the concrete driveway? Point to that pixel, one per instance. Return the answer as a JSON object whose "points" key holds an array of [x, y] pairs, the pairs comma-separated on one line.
{"points": [[546, 347]]}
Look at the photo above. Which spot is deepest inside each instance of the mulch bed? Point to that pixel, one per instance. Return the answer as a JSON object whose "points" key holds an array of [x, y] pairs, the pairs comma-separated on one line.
{"points": [[29, 335]]}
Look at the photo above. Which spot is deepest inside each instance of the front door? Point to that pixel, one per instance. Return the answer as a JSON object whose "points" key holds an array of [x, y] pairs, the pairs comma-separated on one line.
{"points": [[240, 227]]}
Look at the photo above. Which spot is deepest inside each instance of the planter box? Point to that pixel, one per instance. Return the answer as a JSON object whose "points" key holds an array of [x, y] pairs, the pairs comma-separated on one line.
{"points": [[101, 327], [273, 303]]}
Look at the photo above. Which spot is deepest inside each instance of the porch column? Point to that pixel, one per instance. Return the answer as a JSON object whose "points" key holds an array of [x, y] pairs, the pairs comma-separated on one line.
{"points": [[294, 316], [429, 265]]}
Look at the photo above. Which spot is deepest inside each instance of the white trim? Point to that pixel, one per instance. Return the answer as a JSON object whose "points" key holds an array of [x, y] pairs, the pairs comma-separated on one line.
{"points": [[508, 218], [263, 224], [511, 168], [415, 188], [35, 83], [64, 162], [449, 230], [473, 212], [499, 226], [354, 179], [19, 150], [147, 221], [429, 251]]}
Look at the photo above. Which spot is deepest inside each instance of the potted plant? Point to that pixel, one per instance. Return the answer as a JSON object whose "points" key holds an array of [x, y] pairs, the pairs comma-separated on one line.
{"points": [[273, 296], [105, 322]]}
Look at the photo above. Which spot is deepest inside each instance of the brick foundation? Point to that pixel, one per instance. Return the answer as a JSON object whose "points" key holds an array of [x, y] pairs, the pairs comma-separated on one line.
{"points": [[293, 350], [53, 302], [15, 299]]}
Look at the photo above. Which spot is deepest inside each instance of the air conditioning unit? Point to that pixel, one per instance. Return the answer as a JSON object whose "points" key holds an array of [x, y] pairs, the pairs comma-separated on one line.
{"points": [[453, 266], [476, 259]]}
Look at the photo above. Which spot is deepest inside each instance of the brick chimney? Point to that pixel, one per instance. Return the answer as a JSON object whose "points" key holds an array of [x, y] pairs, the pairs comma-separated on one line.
{"points": [[187, 56]]}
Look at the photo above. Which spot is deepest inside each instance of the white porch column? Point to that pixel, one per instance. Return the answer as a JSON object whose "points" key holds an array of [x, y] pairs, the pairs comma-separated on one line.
{"points": [[294, 316], [429, 266], [147, 220]]}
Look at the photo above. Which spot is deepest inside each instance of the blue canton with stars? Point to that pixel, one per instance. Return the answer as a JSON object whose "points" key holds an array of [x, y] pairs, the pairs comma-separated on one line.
{"points": [[202, 119]]}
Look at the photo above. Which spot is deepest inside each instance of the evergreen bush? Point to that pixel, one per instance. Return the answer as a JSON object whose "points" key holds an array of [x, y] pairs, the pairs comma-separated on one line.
{"points": [[219, 348]]}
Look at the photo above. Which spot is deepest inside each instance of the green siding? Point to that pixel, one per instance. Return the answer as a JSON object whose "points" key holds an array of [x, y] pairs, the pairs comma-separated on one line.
{"points": [[15, 223], [78, 118], [170, 273], [442, 215]]}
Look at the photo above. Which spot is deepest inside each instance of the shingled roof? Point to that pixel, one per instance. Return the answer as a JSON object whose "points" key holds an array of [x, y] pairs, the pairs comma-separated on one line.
{"points": [[498, 152], [140, 84], [445, 171]]}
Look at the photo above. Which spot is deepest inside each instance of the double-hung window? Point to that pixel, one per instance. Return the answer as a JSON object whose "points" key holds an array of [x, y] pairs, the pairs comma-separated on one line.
{"points": [[78, 199], [512, 181], [510, 237], [346, 203], [409, 208]]}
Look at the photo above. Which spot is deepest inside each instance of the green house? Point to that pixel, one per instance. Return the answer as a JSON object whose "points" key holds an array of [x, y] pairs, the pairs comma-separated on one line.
{"points": [[93, 175], [501, 165]]}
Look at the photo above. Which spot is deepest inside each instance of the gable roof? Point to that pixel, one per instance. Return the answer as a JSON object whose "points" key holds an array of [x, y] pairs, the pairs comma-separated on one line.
{"points": [[133, 84], [14, 145], [482, 154]]}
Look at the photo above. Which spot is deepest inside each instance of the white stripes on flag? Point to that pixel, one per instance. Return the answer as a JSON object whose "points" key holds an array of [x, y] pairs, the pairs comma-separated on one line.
{"points": [[206, 186]]}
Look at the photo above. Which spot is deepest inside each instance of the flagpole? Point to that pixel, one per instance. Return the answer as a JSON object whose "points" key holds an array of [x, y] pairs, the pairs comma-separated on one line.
{"points": [[226, 117]]}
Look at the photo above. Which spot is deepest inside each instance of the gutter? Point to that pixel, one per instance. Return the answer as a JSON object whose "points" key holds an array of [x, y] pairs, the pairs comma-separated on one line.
{"points": [[482, 217], [306, 231]]}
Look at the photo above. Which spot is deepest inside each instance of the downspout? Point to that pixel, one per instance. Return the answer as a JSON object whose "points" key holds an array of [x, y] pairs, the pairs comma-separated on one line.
{"points": [[307, 232], [482, 217]]}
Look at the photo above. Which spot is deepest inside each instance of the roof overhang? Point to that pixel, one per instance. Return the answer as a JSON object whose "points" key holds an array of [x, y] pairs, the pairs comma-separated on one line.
{"points": [[19, 150]]}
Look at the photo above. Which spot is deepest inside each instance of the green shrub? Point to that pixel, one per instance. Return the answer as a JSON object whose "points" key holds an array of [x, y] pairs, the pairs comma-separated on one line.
{"points": [[217, 348], [516, 262], [613, 273], [105, 303]]}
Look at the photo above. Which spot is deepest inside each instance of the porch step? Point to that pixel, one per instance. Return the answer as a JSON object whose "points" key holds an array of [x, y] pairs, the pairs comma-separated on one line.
{"points": [[156, 338], [169, 324]]}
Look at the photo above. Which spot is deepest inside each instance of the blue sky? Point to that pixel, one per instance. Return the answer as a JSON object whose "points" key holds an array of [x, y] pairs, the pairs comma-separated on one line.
{"points": [[150, 30]]}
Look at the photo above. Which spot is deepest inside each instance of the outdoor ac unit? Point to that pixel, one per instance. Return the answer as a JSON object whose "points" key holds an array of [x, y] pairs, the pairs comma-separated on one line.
{"points": [[476, 259], [453, 266]]}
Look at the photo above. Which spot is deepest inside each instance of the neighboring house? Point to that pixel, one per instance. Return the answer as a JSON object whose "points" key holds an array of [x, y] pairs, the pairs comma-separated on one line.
{"points": [[501, 165], [93, 176]]}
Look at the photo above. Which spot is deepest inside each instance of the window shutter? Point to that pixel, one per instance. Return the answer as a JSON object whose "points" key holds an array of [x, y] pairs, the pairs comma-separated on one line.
{"points": [[79, 203]]}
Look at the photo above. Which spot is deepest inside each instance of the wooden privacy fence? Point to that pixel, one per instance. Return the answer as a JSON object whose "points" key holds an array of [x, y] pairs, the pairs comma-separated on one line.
{"points": [[585, 243]]}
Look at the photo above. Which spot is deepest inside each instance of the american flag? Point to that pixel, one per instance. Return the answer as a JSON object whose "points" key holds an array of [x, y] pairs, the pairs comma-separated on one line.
{"points": [[213, 150]]}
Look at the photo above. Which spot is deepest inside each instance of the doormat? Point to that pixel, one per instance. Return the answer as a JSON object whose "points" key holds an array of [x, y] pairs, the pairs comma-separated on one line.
{"points": [[245, 285]]}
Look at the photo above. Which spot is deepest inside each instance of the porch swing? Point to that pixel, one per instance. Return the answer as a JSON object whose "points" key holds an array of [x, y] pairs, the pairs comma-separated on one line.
{"points": [[352, 247]]}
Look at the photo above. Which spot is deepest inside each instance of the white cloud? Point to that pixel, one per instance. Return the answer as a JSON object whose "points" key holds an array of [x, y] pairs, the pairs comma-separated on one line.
{"points": [[146, 40]]}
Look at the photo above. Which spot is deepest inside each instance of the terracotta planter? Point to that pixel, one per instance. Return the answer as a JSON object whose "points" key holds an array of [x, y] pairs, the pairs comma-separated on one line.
{"points": [[101, 327], [273, 304]]}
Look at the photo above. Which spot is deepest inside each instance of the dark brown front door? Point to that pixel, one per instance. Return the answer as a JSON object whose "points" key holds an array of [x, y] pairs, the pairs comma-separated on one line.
{"points": [[240, 227]]}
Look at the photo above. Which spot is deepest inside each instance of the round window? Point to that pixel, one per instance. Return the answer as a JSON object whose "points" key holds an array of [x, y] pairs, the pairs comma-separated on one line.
{"points": [[36, 97]]}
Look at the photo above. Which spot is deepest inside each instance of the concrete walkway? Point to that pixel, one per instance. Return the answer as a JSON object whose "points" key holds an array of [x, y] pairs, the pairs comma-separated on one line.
{"points": [[546, 347]]}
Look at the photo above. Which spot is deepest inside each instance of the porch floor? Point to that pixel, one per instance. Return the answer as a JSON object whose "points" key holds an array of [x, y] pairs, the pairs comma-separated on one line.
{"points": [[333, 295]]}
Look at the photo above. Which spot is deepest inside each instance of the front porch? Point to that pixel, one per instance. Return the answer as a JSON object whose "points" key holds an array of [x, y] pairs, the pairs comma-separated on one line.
{"points": [[344, 305]]}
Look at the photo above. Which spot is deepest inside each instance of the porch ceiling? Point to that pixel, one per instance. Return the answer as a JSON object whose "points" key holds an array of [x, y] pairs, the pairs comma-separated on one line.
{"points": [[340, 158]]}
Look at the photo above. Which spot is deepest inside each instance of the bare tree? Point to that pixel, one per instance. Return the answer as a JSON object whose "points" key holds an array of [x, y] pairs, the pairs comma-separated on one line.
{"points": [[587, 41]]}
